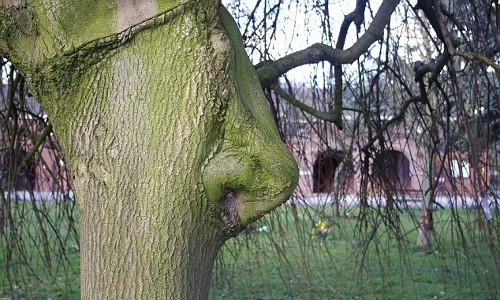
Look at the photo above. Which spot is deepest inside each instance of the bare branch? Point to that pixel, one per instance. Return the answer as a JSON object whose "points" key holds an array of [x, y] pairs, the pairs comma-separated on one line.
{"points": [[26, 159], [393, 120], [269, 72], [433, 67], [442, 26], [480, 57], [325, 116], [357, 17], [427, 6]]}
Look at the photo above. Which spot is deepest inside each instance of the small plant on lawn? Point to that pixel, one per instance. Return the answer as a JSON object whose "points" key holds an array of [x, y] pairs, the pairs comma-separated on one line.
{"points": [[320, 229]]}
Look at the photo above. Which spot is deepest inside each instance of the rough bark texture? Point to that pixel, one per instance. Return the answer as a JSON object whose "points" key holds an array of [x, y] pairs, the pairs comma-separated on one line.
{"points": [[168, 138]]}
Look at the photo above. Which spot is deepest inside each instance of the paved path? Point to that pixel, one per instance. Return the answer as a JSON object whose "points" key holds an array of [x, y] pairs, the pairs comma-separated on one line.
{"points": [[380, 200]]}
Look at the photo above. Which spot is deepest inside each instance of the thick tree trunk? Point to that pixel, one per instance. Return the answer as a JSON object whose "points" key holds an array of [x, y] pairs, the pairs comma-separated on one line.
{"points": [[171, 147], [137, 144]]}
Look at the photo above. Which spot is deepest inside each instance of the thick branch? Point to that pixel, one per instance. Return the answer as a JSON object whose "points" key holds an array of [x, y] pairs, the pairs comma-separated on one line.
{"points": [[357, 17], [444, 30], [427, 6], [480, 57], [359, 13], [321, 52], [433, 67]]}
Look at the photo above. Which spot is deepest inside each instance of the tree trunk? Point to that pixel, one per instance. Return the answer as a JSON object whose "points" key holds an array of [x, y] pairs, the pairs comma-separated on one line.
{"points": [[172, 150], [425, 229], [428, 156], [428, 191]]}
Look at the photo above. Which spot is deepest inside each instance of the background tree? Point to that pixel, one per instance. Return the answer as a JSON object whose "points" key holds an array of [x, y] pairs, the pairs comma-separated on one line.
{"points": [[30, 162], [411, 81]]}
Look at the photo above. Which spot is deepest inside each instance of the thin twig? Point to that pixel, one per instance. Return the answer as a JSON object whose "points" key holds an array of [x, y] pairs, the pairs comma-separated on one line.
{"points": [[46, 131]]}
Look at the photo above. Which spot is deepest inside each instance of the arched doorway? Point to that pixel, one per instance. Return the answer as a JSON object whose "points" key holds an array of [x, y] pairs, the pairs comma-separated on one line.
{"points": [[324, 169]]}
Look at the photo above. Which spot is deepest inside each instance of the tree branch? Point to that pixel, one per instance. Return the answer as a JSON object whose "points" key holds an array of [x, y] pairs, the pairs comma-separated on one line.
{"points": [[357, 17], [444, 30], [325, 116], [451, 44], [316, 53], [480, 57], [26, 159], [427, 6]]}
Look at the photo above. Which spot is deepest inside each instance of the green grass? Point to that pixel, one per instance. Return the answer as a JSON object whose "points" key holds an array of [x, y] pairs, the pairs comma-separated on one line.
{"points": [[351, 262], [34, 271], [284, 259]]}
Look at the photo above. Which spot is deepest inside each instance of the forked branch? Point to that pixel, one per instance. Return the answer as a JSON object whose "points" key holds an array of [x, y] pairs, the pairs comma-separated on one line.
{"points": [[270, 71]]}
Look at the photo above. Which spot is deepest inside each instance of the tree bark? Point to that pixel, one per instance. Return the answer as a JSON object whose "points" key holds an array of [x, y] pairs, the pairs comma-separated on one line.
{"points": [[170, 143], [427, 188]]}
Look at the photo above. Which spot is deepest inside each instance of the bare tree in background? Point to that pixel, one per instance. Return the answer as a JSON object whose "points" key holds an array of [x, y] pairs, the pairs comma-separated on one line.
{"points": [[38, 220], [428, 80], [432, 71]]}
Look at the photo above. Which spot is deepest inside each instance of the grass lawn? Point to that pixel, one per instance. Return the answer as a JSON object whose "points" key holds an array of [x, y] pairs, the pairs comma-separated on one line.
{"points": [[34, 271], [302, 253], [286, 260]]}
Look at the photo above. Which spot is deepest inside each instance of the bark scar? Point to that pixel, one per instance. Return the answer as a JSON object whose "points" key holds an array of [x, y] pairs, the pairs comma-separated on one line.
{"points": [[229, 206]]}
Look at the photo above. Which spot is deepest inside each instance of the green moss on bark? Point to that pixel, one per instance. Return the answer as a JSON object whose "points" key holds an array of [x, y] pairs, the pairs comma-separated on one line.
{"points": [[86, 20], [252, 166], [171, 146]]}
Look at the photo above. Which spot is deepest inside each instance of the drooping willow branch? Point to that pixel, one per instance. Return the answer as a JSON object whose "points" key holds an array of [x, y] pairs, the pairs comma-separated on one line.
{"points": [[325, 116], [393, 120], [26, 159]]}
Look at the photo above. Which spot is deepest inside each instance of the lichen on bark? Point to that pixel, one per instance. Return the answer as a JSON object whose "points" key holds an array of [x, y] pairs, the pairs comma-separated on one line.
{"points": [[170, 143], [252, 171]]}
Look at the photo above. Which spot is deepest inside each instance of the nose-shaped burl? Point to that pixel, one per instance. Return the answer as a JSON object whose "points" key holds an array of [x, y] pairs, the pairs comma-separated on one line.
{"points": [[252, 172]]}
